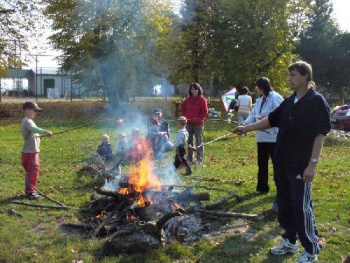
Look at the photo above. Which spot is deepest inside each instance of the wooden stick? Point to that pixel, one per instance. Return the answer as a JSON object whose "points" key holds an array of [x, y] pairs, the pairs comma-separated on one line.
{"points": [[122, 233], [49, 198], [221, 201], [229, 214], [108, 217], [42, 206], [107, 192], [78, 226]]}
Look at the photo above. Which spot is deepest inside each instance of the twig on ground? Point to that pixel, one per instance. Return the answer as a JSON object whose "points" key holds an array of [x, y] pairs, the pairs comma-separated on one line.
{"points": [[49, 198], [229, 214], [43, 206]]}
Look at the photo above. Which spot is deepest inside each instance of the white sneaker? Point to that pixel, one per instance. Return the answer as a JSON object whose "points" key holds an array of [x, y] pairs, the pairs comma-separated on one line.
{"points": [[306, 257], [284, 248]]}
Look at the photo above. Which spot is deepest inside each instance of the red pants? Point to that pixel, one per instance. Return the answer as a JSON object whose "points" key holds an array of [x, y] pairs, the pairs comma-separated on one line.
{"points": [[30, 162]]}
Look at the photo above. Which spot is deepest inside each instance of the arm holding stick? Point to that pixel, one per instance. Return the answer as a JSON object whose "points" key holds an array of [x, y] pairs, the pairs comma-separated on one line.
{"points": [[260, 125]]}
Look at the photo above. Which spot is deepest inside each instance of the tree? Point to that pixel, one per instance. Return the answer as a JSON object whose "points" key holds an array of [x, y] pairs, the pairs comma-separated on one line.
{"points": [[258, 42], [326, 48], [111, 45], [17, 26], [198, 18], [234, 42]]}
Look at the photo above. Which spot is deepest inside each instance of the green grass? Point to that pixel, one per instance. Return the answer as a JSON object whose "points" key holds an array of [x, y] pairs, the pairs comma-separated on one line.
{"points": [[34, 235]]}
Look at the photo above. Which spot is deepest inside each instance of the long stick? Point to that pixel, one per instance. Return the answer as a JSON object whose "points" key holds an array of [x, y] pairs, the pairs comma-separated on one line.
{"points": [[219, 138], [42, 206], [75, 128], [229, 214], [49, 198]]}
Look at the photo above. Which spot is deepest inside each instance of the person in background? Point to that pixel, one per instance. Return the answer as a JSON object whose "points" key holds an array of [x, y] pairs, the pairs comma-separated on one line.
{"points": [[303, 120], [31, 148], [104, 150], [120, 152], [244, 104], [195, 109], [181, 144], [268, 101], [158, 134], [134, 140]]}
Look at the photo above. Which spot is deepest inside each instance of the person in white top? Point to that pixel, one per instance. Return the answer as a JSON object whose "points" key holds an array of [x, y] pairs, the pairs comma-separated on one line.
{"points": [[268, 101], [244, 104]]}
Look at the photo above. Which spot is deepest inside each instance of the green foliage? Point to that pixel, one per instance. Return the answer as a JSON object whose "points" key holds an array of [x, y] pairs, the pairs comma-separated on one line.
{"points": [[326, 48], [18, 20], [111, 45], [236, 41], [34, 235]]}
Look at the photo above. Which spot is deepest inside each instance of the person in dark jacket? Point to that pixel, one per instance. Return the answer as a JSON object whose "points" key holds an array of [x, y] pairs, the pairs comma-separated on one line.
{"points": [[303, 120], [195, 109], [158, 134], [105, 149]]}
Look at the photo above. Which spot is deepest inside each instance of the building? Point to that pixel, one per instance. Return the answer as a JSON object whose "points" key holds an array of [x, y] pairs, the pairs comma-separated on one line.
{"points": [[48, 82], [51, 84]]}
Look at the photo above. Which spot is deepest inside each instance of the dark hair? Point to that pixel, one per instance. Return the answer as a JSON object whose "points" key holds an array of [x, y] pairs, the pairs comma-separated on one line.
{"points": [[196, 86], [245, 90], [304, 69], [264, 84]]}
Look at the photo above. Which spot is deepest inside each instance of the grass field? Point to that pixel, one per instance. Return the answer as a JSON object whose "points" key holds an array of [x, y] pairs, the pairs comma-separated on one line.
{"points": [[29, 234]]}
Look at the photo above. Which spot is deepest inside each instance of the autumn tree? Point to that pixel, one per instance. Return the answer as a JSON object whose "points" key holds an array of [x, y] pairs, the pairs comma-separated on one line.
{"points": [[18, 28], [237, 41], [111, 45]]}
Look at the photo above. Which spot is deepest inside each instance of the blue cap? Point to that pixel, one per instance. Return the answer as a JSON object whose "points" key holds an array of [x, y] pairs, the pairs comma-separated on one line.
{"points": [[157, 111]]}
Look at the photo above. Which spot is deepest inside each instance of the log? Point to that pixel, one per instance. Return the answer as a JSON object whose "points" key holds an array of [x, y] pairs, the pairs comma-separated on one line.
{"points": [[78, 226], [107, 192], [130, 241], [120, 233], [221, 201], [229, 214], [43, 206], [161, 221]]}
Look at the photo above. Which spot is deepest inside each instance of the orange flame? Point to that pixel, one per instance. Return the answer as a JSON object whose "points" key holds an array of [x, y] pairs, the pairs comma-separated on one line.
{"points": [[140, 174]]}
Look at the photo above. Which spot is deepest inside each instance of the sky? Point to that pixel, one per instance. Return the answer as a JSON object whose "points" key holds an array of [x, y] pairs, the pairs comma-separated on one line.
{"points": [[341, 13], [340, 9]]}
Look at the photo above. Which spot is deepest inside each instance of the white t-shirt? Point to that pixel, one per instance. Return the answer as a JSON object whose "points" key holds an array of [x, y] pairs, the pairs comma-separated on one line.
{"points": [[244, 103]]}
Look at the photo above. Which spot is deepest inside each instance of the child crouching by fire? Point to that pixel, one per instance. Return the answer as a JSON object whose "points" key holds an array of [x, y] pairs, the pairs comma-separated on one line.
{"points": [[180, 145]]}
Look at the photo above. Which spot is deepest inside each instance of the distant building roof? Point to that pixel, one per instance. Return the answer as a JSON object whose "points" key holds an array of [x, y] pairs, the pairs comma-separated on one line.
{"points": [[48, 71], [20, 73]]}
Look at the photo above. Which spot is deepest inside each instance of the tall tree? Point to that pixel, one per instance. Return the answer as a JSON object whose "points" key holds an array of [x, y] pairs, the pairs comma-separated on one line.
{"points": [[18, 23], [238, 41], [196, 38], [326, 48], [258, 40], [110, 44]]}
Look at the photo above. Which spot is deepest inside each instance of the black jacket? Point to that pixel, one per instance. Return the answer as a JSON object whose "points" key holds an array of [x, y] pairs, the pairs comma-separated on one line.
{"points": [[299, 124]]}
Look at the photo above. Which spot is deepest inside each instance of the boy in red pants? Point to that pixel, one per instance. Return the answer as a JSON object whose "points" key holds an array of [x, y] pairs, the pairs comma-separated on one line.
{"points": [[31, 147]]}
